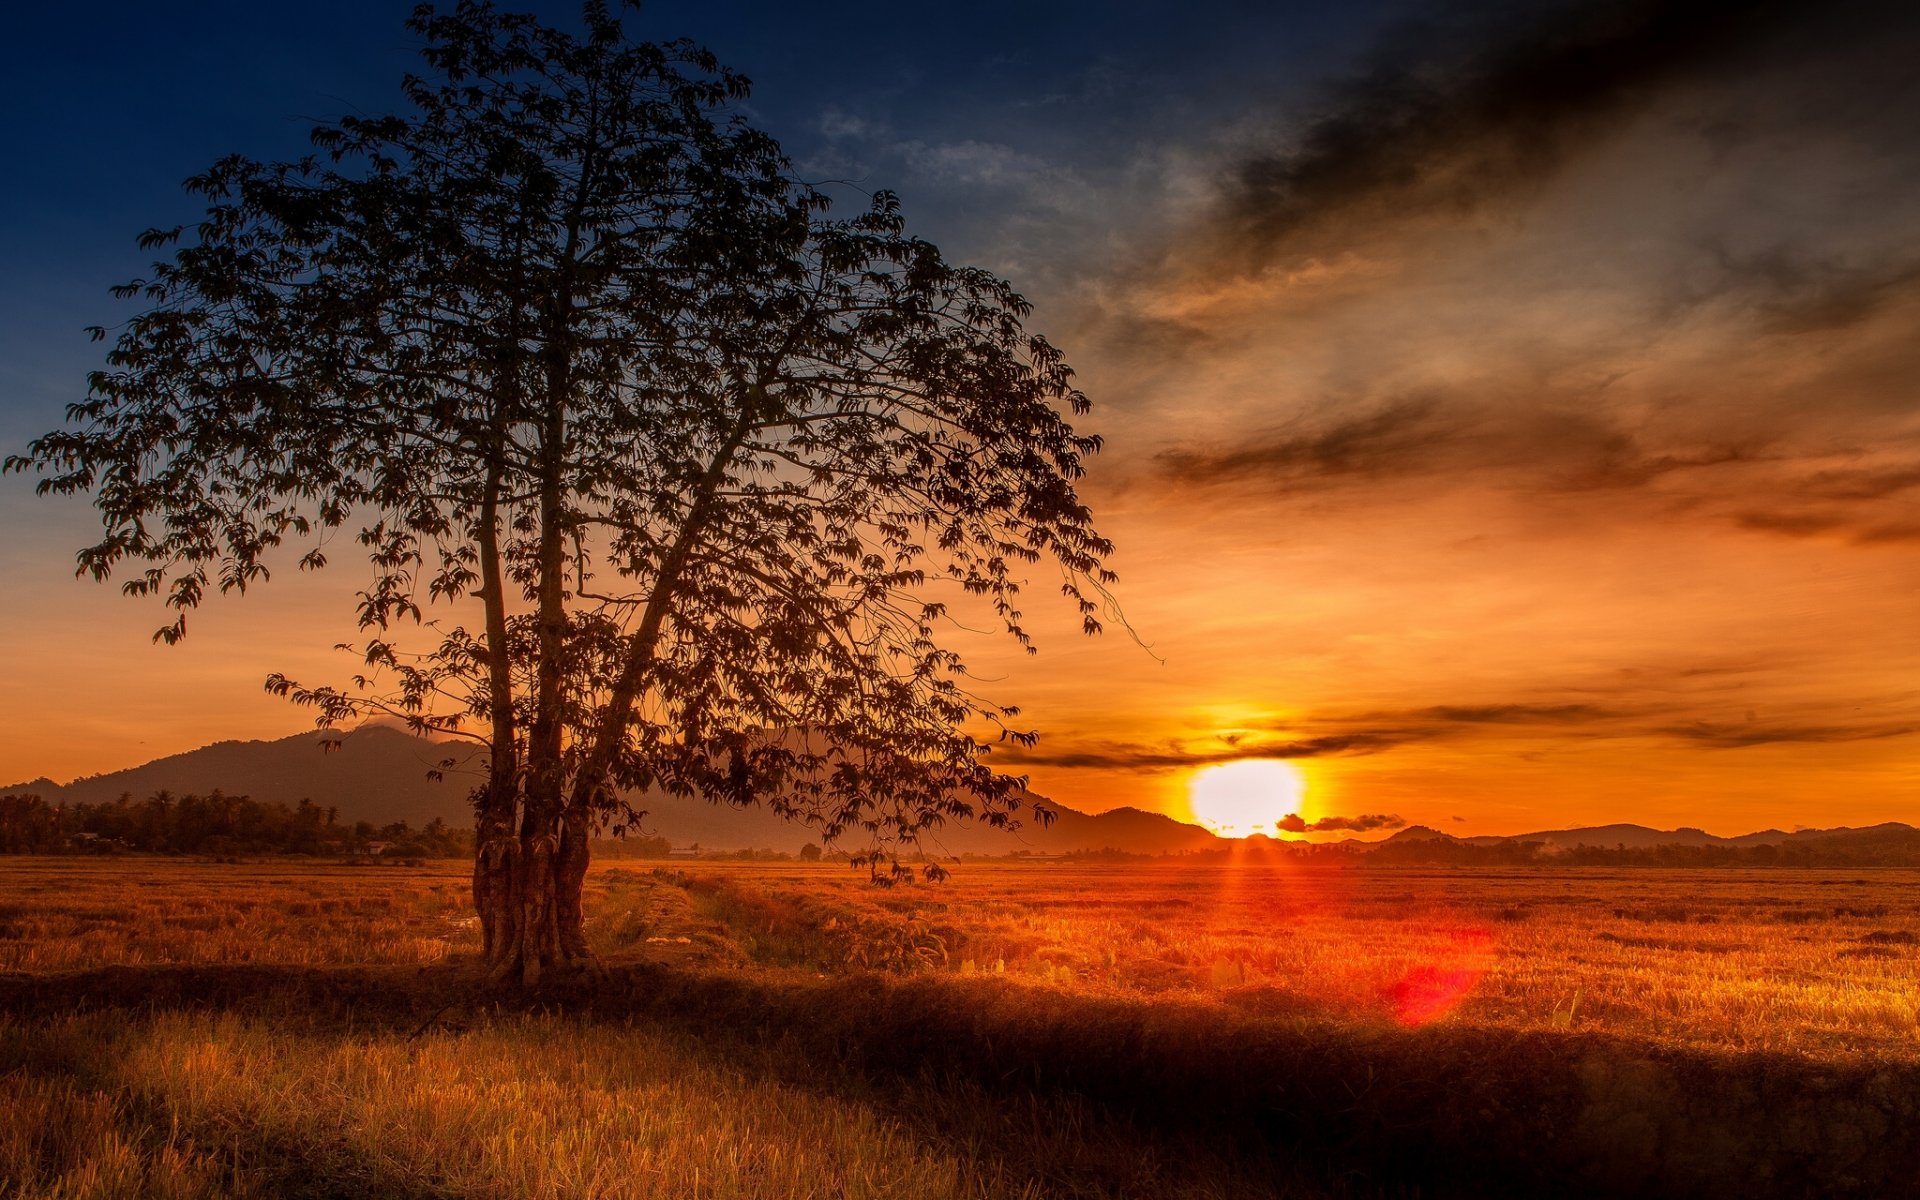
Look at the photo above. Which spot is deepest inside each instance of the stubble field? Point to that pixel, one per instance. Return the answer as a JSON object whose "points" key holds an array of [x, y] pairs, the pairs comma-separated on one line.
{"points": [[201, 1030]]}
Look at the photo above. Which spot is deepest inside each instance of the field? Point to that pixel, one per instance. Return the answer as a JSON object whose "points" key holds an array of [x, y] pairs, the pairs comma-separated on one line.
{"points": [[199, 1030]]}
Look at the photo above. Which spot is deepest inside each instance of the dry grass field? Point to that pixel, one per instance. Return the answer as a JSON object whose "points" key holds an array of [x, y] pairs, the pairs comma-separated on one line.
{"points": [[761, 1030]]}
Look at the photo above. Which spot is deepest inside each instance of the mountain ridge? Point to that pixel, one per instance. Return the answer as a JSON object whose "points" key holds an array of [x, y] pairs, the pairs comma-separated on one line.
{"points": [[380, 773]]}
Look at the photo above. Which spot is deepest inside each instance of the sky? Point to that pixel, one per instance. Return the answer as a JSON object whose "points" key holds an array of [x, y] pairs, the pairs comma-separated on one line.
{"points": [[1512, 411]]}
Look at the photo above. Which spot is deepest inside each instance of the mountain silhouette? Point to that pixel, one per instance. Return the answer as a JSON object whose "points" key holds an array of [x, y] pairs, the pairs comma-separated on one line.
{"points": [[380, 774], [1640, 837]]}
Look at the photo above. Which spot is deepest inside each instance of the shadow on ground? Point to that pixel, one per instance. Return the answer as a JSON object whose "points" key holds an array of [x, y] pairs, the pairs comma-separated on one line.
{"points": [[1446, 1110]]}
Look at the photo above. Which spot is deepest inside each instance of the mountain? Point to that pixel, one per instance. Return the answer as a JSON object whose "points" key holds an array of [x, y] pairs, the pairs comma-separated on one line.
{"points": [[1417, 833], [1634, 837], [1640, 837], [379, 774]]}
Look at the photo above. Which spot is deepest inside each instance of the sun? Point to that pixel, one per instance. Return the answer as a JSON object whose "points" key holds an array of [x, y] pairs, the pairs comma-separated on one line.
{"points": [[1246, 797]]}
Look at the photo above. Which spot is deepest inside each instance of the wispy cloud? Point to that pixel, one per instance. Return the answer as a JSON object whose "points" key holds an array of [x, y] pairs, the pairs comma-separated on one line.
{"points": [[1520, 714], [1386, 439], [1735, 737], [1179, 756], [1648, 713]]}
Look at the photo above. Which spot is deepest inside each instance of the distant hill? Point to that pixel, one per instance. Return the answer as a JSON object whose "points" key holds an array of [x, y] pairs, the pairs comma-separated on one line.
{"points": [[1641, 837], [1634, 837], [379, 774], [1421, 833]]}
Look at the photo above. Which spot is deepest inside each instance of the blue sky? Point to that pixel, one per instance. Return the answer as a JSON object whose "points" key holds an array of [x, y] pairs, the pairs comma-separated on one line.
{"points": [[111, 105]]}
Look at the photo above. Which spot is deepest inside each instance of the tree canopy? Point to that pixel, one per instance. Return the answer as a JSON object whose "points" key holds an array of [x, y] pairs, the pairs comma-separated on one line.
{"points": [[681, 471]]}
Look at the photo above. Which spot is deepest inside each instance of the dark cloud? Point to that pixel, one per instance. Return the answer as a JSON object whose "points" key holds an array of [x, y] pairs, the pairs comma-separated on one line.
{"points": [[1619, 461], [1519, 714], [1552, 441], [1371, 733], [1385, 440], [1883, 535], [1449, 119], [1365, 823], [1142, 757], [1791, 524], [1733, 339], [1752, 733], [1793, 292], [1864, 528], [1863, 484]]}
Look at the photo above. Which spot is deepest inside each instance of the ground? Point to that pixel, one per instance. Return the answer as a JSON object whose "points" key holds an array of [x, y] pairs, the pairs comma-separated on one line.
{"points": [[760, 1030]]}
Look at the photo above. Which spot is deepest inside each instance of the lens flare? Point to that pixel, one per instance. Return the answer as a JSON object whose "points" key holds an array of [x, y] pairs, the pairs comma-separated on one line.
{"points": [[1432, 989]]}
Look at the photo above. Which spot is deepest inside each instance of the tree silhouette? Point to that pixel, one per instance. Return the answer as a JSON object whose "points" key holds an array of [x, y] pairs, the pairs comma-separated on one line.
{"points": [[566, 348]]}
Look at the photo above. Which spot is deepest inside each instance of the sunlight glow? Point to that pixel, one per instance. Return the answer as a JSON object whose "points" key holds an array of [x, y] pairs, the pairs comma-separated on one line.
{"points": [[1239, 799]]}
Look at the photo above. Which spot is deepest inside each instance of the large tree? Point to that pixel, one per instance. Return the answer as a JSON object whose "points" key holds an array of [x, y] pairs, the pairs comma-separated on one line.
{"points": [[576, 360]]}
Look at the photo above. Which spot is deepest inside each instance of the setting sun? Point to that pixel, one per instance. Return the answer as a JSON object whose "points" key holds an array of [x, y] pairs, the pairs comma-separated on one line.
{"points": [[1247, 797]]}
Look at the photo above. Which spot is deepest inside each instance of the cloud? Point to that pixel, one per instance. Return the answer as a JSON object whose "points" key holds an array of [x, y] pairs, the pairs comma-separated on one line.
{"points": [[1859, 528], [1365, 823], [977, 163], [1519, 714], [836, 123], [1381, 441], [1145, 757], [1792, 292], [1791, 524], [1735, 737], [1539, 438], [1863, 484], [1336, 735], [1662, 247], [1448, 120], [1623, 464]]}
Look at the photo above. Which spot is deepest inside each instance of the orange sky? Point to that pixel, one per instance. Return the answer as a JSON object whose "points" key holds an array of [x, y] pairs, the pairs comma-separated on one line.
{"points": [[1510, 470]]}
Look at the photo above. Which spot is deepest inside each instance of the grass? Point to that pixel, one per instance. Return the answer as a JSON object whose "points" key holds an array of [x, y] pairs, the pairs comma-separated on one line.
{"points": [[202, 1030], [1803, 962], [217, 1105], [75, 914]]}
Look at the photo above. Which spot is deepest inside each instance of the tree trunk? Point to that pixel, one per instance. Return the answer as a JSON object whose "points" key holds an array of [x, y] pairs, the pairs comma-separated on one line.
{"points": [[496, 852], [539, 920], [528, 889], [570, 879], [496, 859]]}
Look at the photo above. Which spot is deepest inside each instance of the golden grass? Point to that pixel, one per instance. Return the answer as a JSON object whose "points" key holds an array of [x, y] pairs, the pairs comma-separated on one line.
{"points": [[1807, 962], [775, 1030], [72, 914], [197, 1105], [1812, 963]]}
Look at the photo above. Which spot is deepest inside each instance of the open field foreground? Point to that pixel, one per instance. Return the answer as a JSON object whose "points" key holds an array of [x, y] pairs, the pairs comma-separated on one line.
{"points": [[199, 1030]]}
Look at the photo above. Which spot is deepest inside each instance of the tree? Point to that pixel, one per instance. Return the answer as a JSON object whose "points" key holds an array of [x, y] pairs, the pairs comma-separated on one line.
{"points": [[569, 350]]}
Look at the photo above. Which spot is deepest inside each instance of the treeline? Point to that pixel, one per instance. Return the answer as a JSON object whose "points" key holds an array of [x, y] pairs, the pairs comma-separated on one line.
{"points": [[1896, 847], [1862, 848], [214, 824], [219, 825]]}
